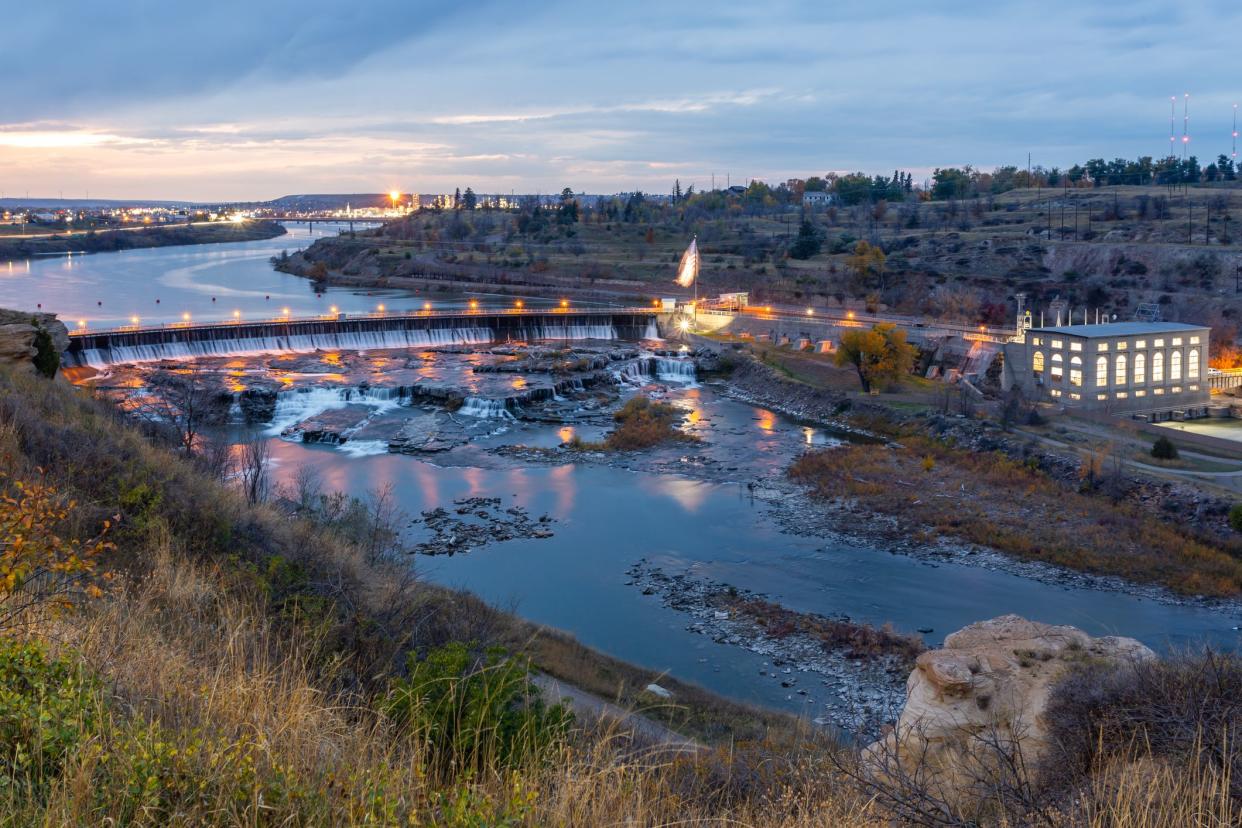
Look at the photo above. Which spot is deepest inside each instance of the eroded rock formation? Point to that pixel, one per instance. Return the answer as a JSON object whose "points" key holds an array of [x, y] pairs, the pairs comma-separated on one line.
{"points": [[19, 332], [974, 713]]}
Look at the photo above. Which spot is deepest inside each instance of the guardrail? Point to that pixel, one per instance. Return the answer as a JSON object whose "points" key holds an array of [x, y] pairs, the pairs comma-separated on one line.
{"points": [[347, 317]]}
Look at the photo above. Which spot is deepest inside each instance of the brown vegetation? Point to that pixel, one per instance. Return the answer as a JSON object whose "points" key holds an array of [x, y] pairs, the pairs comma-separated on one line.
{"points": [[992, 500], [641, 424]]}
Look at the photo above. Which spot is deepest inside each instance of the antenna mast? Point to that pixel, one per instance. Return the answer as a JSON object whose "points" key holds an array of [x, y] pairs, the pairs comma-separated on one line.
{"points": [[1185, 125]]}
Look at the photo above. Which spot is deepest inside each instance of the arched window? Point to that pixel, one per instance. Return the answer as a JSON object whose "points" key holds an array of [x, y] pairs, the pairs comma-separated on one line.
{"points": [[1058, 368], [1192, 363], [1140, 369], [1101, 372], [1175, 365], [1076, 371], [1157, 366], [1119, 373], [1037, 363]]}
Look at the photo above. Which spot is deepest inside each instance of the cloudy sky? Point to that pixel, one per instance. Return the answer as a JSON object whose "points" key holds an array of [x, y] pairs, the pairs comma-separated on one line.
{"points": [[232, 100]]}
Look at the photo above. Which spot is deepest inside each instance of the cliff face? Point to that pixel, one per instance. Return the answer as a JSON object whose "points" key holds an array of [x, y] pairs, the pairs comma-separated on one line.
{"points": [[19, 332]]}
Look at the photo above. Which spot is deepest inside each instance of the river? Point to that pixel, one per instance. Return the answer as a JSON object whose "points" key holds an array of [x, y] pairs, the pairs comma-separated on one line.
{"points": [[690, 510]]}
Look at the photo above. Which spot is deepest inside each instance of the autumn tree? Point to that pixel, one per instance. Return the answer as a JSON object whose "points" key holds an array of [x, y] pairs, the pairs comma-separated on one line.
{"points": [[40, 570], [867, 262], [880, 355]]}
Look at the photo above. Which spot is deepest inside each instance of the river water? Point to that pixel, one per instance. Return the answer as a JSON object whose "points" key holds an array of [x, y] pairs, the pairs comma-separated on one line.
{"points": [[605, 518]]}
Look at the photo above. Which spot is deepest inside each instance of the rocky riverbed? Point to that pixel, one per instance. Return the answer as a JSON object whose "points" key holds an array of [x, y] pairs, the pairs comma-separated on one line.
{"points": [[475, 522], [840, 685]]}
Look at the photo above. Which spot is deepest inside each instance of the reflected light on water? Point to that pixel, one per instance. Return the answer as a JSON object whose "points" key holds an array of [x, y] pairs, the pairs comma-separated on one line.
{"points": [[565, 487], [689, 494], [766, 420], [566, 433], [809, 433]]}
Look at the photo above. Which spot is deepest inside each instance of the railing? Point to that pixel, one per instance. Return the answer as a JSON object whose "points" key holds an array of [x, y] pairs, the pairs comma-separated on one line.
{"points": [[346, 317]]}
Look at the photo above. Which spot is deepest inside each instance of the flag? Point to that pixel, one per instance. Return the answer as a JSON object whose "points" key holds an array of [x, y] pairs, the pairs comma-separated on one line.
{"points": [[688, 270]]}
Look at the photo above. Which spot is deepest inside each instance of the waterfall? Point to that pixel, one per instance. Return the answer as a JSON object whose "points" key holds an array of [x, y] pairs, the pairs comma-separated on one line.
{"points": [[675, 370], [485, 409], [292, 407], [652, 332]]}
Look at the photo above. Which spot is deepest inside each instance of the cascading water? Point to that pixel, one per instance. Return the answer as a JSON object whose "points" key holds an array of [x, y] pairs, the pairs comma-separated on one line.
{"points": [[293, 407], [644, 370], [485, 409], [652, 332], [675, 370]]}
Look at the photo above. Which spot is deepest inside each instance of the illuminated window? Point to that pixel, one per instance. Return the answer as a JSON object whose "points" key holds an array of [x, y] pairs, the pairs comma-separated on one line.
{"points": [[1194, 388], [1177, 340], [1140, 369], [1119, 372], [1056, 343], [1121, 346], [1035, 340], [1192, 364], [1101, 372], [1058, 370], [1037, 363], [1175, 365], [1177, 389], [1054, 392], [1076, 371], [1121, 395], [1140, 393], [1157, 391], [1075, 396], [1103, 346], [1141, 343], [1194, 340], [1075, 346], [1101, 396], [1157, 367], [1159, 343]]}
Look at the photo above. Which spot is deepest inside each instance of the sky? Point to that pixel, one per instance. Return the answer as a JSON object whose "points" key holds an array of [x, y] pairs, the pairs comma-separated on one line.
{"points": [[228, 100]]}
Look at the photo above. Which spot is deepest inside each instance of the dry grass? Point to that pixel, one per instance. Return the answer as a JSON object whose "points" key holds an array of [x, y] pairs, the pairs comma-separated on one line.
{"points": [[641, 424], [989, 499]]}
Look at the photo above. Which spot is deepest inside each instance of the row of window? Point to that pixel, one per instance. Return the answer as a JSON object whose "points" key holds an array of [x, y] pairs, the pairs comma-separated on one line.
{"points": [[1121, 346], [1141, 392], [1124, 370]]}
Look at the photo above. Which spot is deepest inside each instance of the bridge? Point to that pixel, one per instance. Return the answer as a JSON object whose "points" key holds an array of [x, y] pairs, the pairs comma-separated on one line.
{"points": [[366, 331], [1223, 379]]}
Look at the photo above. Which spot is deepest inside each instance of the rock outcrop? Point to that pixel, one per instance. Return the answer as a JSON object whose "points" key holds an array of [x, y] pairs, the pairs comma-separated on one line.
{"points": [[979, 702], [18, 331]]}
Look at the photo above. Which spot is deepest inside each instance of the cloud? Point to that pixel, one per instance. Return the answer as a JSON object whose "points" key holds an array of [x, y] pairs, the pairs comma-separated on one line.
{"points": [[232, 100]]}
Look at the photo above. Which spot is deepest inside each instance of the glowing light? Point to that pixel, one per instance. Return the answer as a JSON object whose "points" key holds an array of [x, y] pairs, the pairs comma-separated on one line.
{"points": [[810, 311], [850, 315], [564, 303], [426, 306], [655, 303], [237, 315], [381, 308], [394, 195], [684, 324], [474, 304], [81, 323], [332, 310], [133, 320], [518, 304], [284, 311], [185, 317]]}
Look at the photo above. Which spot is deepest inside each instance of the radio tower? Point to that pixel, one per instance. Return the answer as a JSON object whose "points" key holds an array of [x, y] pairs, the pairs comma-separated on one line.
{"points": [[1185, 125], [1235, 132]]}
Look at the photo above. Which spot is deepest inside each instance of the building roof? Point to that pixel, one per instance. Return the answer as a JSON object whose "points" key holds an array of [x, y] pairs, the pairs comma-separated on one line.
{"points": [[1120, 329]]}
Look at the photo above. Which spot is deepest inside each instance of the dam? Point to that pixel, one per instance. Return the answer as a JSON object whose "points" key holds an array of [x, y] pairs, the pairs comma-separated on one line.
{"points": [[372, 331]]}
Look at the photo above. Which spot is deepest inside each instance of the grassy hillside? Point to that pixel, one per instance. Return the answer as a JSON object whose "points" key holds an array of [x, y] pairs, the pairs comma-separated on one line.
{"points": [[244, 667]]}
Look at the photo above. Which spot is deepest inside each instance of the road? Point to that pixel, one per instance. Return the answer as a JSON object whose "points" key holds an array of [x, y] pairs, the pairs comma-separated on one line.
{"points": [[589, 706]]}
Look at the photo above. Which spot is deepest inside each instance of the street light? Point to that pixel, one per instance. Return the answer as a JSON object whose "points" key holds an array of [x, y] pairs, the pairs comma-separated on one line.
{"points": [[236, 316], [381, 308], [810, 311], [394, 195], [474, 304], [518, 304], [185, 317]]}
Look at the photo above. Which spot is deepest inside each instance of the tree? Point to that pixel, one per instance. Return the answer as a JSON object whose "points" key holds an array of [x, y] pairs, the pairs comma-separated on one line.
{"points": [[880, 355], [1235, 517], [184, 403], [567, 212], [950, 183], [866, 261], [808, 242], [470, 199], [457, 198]]}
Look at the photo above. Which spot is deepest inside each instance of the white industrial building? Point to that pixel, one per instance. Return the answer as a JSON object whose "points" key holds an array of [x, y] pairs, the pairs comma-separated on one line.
{"points": [[1158, 369]]}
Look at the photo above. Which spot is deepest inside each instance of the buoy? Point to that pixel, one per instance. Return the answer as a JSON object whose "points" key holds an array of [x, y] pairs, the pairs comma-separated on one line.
{"points": [[157, 301], [213, 298], [99, 303]]}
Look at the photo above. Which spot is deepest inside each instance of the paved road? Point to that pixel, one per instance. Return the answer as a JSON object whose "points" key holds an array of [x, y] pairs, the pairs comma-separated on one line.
{"points": [[589, 706]]}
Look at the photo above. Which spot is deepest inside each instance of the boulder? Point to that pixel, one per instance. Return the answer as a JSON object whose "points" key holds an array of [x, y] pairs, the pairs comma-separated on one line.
{"points": [[979, 702], [17, 336]]}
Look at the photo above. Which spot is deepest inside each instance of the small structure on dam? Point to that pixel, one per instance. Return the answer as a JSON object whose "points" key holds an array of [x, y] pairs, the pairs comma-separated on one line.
{"points": [[365, 332]]}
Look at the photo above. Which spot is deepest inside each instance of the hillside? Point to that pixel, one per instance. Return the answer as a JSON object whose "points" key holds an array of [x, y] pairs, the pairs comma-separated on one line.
{"points": [[109, 240], [1105, 249]]}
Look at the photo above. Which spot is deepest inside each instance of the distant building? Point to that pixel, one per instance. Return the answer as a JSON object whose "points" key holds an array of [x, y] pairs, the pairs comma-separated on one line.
{"points": [[1153, 368], [816, 198]]}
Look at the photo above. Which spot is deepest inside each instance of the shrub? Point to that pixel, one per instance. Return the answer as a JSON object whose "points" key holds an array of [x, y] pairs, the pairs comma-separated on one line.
{"points": [[47, 707], [1188, 707], [641, 423], [477, 711], [1235, 517], [1163, 449], [46, 358]]}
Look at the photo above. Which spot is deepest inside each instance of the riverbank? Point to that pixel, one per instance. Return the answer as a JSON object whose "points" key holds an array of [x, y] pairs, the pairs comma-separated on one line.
{"points": [[114, 240]]}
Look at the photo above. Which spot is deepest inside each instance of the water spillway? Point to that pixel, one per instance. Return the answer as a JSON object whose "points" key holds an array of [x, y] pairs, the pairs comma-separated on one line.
{"points": [[377, 332]]}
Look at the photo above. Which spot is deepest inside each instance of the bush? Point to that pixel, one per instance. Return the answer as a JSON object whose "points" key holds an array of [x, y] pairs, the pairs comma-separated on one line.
{"points": [[641, 423], [1163, 449], [477, 711], [46, 358], [1185, 707], [47, 707], [1235, 517]]}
